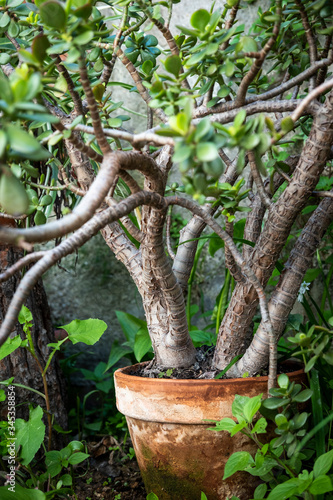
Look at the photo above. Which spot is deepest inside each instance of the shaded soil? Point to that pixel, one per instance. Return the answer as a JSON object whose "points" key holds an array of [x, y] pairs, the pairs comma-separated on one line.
{"points": [[201, 369], [112, 474]]}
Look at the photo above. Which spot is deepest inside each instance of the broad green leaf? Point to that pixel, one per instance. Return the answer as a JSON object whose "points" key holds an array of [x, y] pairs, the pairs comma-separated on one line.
{"points": [[115, 122], [13, 29], [4, 20], [25, 144], [5, 89], [321, 485], [66, 480], [13, 197], [240, 117], [207, 151], [142, 343], [323, 464], [237, 462], [260, 491], [251, 407], [237, 406], [203, 496], [260, 426], [39, 46], [84, 38], [130, 325], [152, 496], [274, 403], [179, 123], [75, 445], [200, 19], [29, 435], [250, 141], [25, 315], [181, 153], [224, 91], [173, 65], [77, 458], [53, 14], [53, 462], [88, 331], [303, 396], [4, 58], [228, 68], [202, 129], [285, 490], [46, 200], [20, 493], [116, 354], [287, 124], [281, 421], [283, 381], [9, 346], [39, 218], [247, 44], [226, 424]]}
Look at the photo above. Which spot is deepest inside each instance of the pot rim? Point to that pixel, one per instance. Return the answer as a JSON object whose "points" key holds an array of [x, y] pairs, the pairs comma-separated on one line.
{"points": [[184, 401], [121, 374]]}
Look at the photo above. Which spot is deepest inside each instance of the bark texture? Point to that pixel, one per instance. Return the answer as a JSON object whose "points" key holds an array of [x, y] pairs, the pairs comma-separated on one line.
{"points": [[286, 291], [20, 364], [235, 325]]}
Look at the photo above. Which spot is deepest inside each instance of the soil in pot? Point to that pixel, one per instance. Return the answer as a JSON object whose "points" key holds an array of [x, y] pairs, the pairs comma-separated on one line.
{"points": [[178, 456]]}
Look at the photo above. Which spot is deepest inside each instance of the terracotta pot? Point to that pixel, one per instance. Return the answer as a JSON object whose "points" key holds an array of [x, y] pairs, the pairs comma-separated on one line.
{"points": [[178, 456]]}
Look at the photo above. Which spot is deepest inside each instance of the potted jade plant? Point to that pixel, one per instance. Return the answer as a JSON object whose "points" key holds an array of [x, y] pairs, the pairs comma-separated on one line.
{"points": [[246, 116]]}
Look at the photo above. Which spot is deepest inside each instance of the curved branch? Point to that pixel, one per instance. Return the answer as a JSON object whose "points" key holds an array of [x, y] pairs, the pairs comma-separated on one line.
{"points": [[20, 264], [68, 246], [286, 292], [91, 201], [246, 271]]}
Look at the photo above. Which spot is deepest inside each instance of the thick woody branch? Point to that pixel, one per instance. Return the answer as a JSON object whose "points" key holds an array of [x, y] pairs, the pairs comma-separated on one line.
{"points": [[299, 111], [168, 235], [270, 94], [92, 200], [186, 250], [20, 264], [229, 260], [315, 153], [286, 292], [68, 246], [267, 202], [137, 140], [246, 271]]}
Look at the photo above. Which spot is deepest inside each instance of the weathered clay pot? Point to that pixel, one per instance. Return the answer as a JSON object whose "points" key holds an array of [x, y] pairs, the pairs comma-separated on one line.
{"points": [[178, 456]]}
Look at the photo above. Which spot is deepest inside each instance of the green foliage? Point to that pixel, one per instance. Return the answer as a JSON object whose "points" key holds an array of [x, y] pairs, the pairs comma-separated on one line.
{"points": [[88, 331], [283, 463], [29, 435]]}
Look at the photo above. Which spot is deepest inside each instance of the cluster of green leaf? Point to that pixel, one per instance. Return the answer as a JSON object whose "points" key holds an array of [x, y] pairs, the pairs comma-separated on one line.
{"points": [[29, 435], [55, 476], [285, 464]]}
